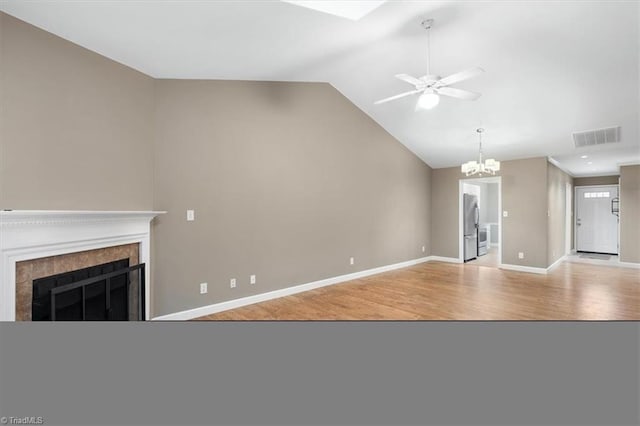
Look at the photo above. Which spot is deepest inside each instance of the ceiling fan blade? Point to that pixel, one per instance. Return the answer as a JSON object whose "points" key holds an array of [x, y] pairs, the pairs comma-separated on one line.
{"points": [[409, 79], [401, 95], [458, 93], [460, 76]]}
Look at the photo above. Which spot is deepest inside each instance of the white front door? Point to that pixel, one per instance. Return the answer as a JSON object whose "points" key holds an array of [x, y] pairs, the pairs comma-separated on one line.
{"points": [[596, 225]]}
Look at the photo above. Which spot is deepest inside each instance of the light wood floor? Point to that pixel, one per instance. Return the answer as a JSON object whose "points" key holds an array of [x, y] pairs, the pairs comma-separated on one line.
{"points": [[445, 291], [489, 259]]}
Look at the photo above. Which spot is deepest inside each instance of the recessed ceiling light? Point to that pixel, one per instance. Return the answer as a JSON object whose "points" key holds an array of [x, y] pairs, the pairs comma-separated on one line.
{"points": [[345, 9], [584, 156], [590, 162]]}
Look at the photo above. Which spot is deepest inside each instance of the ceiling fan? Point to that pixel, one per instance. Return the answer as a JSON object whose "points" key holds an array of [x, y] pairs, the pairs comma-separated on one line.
{"points": [[431, 86]]}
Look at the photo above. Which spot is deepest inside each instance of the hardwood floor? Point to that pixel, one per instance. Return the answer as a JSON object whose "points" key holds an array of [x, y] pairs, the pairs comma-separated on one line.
{"points": [[445, 291], [489, 259]]}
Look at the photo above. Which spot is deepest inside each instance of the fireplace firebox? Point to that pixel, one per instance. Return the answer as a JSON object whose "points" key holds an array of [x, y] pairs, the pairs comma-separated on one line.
{"points": [[111, 291]]}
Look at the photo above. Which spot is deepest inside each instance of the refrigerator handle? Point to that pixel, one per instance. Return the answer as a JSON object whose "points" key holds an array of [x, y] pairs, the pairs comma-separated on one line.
{"points": [[477, 217]]}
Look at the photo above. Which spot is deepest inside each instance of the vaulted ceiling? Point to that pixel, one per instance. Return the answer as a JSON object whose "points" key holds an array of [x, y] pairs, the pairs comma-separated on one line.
{"points": [[552, 68]]}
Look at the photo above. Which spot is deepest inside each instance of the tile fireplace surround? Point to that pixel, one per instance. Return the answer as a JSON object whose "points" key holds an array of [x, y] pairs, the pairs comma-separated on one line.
{"points": [[35, 234]]}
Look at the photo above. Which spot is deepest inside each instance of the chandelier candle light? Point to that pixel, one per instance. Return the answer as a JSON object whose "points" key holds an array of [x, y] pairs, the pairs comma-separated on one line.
{"points": [[488, 166]]}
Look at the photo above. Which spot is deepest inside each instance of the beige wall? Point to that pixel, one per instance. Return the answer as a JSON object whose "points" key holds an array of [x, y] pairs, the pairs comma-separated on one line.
{"points": [[596, 180], [630, 213], [288, 180], [524, 196], [444, 211], [557, 181], [76, 128]]}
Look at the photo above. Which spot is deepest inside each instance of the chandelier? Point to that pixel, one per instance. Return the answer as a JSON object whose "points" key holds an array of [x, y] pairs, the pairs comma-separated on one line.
{"points": [[488, 166]]}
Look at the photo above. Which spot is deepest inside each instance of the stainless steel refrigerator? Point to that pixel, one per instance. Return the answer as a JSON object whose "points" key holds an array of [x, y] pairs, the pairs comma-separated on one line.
{"points": [[471, 217]]}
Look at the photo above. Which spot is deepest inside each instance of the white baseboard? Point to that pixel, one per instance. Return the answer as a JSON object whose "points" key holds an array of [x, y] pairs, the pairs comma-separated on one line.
{"points": [[249, 300], [597, 262], [444, 259], [520, 268], [629, 265], [556, 263]]}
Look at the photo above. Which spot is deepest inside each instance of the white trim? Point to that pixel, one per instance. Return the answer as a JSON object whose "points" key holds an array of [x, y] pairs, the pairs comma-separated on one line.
{"points": [[460, 220], [490, 179], [32, 234], [558, 165], [520, 268], [628, 163], [532, 269], [602, 174], [444, 259], [556, 263], [568, 217], [575, 212], [628, 265], [262, 297], [575, 258], [596, 186]]}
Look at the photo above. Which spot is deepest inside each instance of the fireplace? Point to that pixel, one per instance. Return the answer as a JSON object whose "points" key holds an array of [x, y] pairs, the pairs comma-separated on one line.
{"points": [[66, 253], [106, 292]]}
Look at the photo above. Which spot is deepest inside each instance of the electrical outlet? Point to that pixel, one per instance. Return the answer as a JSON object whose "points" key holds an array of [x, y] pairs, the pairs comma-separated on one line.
{"points": [[191, 215], [520, 255], [351, 261], [232, 283], [203, 288], [423, 249], [252, 279], [505, 214]]}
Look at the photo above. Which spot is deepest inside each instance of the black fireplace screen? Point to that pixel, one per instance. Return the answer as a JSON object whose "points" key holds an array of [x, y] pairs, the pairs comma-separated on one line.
{"points": [[109, 292]]}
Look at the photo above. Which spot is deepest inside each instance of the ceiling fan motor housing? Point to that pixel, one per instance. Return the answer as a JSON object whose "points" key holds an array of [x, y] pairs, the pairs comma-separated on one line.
{"points": [[430, 79]]}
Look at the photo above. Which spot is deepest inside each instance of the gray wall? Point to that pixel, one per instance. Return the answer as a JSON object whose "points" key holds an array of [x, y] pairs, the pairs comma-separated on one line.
{"points": [[556, 198], [630, 213], [524, 196], [596, 180], [444, 211], [76, 128], [288, 180]]}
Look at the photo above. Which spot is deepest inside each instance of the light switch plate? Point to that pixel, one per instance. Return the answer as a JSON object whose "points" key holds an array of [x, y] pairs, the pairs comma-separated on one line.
{"points": [[191, 215], [505, 214]]}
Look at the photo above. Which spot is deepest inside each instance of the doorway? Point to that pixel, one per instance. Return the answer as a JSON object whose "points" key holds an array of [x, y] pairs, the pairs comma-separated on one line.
{"points": [[596, 219], [480, 221]]}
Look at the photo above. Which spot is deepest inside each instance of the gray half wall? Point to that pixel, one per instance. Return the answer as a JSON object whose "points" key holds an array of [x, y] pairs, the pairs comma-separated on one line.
{"points": [[287, 180]]}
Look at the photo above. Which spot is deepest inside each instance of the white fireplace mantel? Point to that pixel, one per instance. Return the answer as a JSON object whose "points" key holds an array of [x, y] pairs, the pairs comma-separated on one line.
{"points": [[32, 234]]}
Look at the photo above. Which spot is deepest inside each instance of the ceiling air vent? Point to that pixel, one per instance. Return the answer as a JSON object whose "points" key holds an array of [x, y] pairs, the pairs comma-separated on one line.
{"points": [[596, 137]]}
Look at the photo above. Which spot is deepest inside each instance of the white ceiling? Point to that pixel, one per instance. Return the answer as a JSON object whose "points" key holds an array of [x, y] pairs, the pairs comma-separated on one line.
{"points": [[552, 68]]}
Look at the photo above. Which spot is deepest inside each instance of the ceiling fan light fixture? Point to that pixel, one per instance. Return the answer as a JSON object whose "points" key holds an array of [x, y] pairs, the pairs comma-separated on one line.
{"points": [[431, 86], [428, 100]]}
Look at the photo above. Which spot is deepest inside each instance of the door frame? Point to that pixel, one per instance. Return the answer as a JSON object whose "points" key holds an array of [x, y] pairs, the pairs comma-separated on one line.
{"points": [[568, 211], [461, 182], [575, 208]]}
